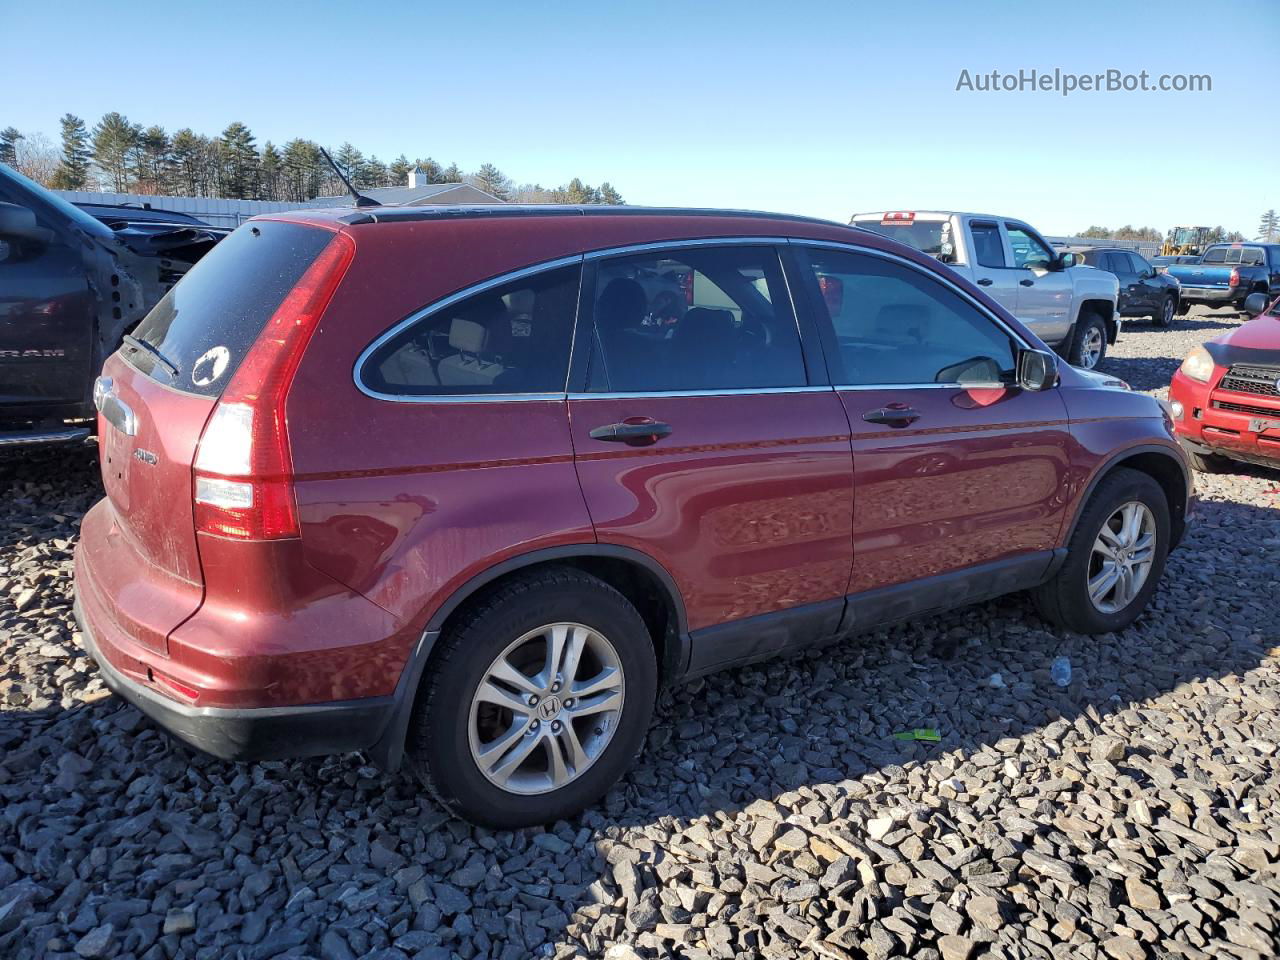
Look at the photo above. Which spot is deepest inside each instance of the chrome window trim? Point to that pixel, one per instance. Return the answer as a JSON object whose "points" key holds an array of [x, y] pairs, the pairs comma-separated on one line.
{"points": [[727, 392], [441, 304], [945, 281], [592, 255], [953, 385]]}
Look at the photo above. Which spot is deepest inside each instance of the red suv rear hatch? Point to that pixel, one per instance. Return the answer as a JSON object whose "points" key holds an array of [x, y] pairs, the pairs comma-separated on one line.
{"points": [[156, 395]]}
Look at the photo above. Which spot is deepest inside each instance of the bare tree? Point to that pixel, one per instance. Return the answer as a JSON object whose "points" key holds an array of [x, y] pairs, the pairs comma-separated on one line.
{"points": [[37, 157]]}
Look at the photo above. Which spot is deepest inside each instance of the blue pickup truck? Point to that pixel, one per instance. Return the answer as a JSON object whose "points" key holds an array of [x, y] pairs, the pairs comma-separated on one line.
{"points": [[1227, 273]]}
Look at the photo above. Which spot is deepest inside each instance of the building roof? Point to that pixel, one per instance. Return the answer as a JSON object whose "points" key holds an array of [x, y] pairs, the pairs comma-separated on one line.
{"points": [[414, 196]]}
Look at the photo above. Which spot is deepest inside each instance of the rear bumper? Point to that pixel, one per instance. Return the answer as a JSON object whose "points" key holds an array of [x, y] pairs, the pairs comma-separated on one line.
{"points": [[41, 438], [250, 733], [1213, 294]]}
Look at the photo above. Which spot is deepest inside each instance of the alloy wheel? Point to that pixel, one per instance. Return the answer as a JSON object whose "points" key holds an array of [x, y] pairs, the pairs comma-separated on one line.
{"points": [[1121, 558], [1091, 348], [1166, 317], [546, 709]]}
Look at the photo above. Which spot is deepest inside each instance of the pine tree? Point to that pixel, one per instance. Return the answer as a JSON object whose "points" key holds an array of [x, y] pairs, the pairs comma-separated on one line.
{"points": [[270, 166], [304, 170], [579, 192], [450, 174], [9, 138], [371, 173], [348, 159], [239, 162], [154, 160], [433, 170], [186, 153], [398, 171], [73, 171], [492, 181], [610, 195], [1269, 227], [115, 141]]}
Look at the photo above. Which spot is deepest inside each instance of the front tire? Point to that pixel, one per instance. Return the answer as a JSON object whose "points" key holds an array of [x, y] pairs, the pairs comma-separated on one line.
{"points": [[1209, 462], [1167, 311], [535, 702], [1089, 342], [1115, 557]]}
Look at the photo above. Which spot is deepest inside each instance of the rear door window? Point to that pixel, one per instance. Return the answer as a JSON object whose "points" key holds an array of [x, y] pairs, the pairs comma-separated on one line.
{"points": [[988, 246], [206, 324], [698, 318], [511, 338]]}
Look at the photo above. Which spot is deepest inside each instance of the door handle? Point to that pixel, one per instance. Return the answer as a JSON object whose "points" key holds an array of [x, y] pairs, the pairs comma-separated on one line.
{"points": [[1026, 283], [894, 416], [634, 431], [985, 282]]}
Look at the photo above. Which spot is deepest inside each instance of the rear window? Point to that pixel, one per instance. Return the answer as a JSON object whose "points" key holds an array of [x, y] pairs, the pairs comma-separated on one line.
{"points": [[927, 236], [206, 324]]}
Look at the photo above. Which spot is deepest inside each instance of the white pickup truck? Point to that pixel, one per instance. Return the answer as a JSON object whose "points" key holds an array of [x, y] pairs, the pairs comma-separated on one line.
{"points": [[1072, 308]]}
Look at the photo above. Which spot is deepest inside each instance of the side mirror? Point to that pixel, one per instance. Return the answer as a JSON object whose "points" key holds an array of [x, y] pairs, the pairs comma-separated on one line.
{"points": [[1063, 260], [1037, 370], [19, 223], [1255, 304]]}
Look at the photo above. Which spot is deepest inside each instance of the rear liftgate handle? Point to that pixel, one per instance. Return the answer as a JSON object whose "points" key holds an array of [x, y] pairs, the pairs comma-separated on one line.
{"points": [[634, 431]]}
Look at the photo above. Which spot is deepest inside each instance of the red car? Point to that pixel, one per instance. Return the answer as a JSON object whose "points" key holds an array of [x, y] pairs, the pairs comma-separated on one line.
{"points": [[431, 482], [1225, 398]]}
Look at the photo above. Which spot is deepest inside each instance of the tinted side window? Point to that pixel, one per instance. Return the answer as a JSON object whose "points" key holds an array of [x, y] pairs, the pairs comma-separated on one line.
{"points": [[701, 318], [1215, 255], [988, 248], [1028, 250], [1119, 262], [1140, 265], [896, 325], [512, 338]]}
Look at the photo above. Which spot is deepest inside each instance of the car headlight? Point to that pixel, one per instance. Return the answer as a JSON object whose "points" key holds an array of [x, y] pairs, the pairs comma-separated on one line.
{"points": [[1198, 365]]}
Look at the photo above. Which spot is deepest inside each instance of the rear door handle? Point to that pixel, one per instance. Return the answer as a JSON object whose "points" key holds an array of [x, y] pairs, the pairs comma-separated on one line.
{"points": [[985, 282], [1027, 283], [892, 416], [635, 432]]}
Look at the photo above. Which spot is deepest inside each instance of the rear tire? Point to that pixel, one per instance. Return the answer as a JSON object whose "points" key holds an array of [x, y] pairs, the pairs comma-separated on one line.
{"points": [[534, 775], [1183, 308], [1089, 342], [1066, 599]]}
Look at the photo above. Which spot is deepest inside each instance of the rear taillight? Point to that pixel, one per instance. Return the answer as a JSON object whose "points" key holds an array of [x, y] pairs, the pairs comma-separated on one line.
{"points": [[1235, 277], [243, 468]]}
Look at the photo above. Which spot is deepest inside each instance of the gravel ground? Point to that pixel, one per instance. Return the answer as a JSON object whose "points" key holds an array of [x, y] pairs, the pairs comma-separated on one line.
{"points": [[1131, 814]]}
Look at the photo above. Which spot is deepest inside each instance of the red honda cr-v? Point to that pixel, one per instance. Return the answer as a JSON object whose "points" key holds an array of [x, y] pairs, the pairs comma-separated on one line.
{"points": [[467, 485]]}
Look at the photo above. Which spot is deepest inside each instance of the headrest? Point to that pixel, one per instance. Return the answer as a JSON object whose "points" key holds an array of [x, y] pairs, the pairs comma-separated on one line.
{"points": [[467, 336], [705, 323], [623, 303]]}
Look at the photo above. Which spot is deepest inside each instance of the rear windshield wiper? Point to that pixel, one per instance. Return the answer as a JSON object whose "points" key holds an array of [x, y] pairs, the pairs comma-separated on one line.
{"points": [[139, 344]]}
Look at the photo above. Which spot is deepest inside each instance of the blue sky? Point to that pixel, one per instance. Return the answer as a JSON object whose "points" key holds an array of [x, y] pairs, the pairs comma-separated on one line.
{"points": [[807, 107]]}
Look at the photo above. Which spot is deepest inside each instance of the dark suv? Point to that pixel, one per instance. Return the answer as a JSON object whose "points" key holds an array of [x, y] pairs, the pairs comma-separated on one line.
{"points": [[1144, 290], [468, 485]]}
